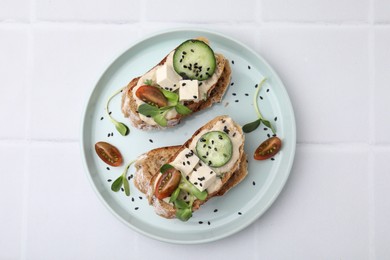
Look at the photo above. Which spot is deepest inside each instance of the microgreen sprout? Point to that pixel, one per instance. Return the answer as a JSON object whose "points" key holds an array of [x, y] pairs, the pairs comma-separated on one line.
{"points": [[253, 125], [158, 114], [122, 181], [120, 127]]}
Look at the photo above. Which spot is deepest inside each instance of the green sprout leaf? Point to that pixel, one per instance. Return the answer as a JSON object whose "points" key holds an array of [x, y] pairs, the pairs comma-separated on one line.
{"points": [[148, 82], [184, 214], [117, 184], [148, 110], [172, 97], [251, 126], [160, 118], [122, 181], [182, 109], [120, 127], [165, 167], [174, 195]]}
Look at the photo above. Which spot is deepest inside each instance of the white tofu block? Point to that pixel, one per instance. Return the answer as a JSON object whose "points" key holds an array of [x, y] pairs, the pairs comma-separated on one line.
{"points": [[167, 78], [185, 161], [188, 90], [202, 176]]}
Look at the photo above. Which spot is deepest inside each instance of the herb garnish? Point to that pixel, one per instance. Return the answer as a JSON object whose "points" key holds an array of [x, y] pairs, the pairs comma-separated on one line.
{"points": [[184, 209], [120, 127], [253, 125], [158, 114], [122, 181]]}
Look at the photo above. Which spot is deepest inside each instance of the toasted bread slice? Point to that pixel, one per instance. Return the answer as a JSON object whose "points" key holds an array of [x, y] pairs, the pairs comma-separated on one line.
{"points": [[214, 95], [148, 166]]}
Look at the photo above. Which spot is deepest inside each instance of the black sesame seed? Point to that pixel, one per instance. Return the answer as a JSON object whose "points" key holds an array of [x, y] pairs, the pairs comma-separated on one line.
{"points": [[181, 60], [236, 100], [184, 163], [276, 118], [195, 183], [261, 97], [231, 84], [184, 52], [108, 168], [140, 197], [188, 178], [274, 135], [110, 113], [267, 89], [232, 61], [132, 199], [192, 50], [215, 149], [265, 128], [249, 67], [234, 94], [200, 184], [204, 156], [256, 85], [185, 66], [101, 118], [268, 135], [253, 183], [272, 159], [122, 189], [234, 134], [246, 94], [208, 223], [215, 210], [108, 135], [136, 208], [200, 222], [209, 163], [188, 162], [109, 180], [239, 213], [183, 84], [150, 140], [195, 96]]}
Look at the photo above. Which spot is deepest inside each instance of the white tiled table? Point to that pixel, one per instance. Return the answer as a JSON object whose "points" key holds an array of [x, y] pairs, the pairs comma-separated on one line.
{"points": [[334, 58]]}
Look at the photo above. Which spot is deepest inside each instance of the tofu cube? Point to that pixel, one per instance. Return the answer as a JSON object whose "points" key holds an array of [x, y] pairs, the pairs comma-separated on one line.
{"points": [[188, 90], [167, 78], [185, 161], [202, 176]]}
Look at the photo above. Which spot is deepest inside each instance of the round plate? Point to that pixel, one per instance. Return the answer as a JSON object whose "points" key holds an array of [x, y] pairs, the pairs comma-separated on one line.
{"points": [[220, 216]]}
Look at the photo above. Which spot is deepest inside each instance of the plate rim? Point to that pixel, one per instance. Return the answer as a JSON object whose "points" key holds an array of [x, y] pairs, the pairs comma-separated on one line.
{"points": [[93, 87]]}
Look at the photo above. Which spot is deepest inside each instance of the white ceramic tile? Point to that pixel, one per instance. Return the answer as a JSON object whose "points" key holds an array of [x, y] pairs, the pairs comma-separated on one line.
{"points": [[325, 71], [323, 210], [241, 245], [14, 84], [88, 10], [201, 11], [12, 176], [66, 220], [15, 10], [382, 204], [382, 11], [315, 10], [67, 64], [382, 85]]}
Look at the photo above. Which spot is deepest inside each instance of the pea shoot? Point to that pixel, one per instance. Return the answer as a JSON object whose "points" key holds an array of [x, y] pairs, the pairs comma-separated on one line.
{"points": [[120, 127], [255, 124]]}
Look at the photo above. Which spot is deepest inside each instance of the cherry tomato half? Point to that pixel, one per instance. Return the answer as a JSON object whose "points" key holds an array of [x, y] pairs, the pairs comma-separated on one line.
{"points": [[167, 183], [151, 95], [108, 153], [268, 148]]}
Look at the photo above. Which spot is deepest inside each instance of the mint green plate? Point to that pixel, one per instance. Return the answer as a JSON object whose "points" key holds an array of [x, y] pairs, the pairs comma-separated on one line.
{"points": [[222, 216]]}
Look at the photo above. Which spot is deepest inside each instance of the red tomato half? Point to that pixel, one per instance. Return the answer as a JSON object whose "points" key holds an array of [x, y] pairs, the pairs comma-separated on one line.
{"points": [[268, 148], [167, 183], [108, 153]]}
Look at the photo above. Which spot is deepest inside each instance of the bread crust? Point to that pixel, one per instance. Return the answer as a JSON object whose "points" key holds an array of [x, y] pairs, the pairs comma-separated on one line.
{"points": [[215, 95], [148, 166]]}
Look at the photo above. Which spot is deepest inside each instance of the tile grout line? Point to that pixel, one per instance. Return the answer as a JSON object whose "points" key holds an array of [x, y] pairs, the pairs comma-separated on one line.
{"points": [[371, 138], [27, 140]]}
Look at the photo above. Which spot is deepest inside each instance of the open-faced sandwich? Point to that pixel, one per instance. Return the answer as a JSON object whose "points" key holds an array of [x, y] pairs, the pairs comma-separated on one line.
{"points": [[178, 179], [190, 78]]}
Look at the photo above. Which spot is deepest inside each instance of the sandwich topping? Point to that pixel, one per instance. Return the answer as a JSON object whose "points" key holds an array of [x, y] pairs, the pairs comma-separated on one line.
{"points": [[189, 72], [211, 153]]}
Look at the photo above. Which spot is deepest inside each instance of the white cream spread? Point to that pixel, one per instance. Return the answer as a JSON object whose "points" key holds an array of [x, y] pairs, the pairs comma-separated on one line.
{"points": [[204, 88]]}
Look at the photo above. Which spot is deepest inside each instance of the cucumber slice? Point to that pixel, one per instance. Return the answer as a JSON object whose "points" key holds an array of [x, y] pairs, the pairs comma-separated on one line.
{"points": [[214, 148], [194, 59]]}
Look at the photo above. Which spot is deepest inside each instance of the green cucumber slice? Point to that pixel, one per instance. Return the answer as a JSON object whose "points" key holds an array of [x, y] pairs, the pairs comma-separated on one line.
{"points": [[194, 59], [214, 148]]}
